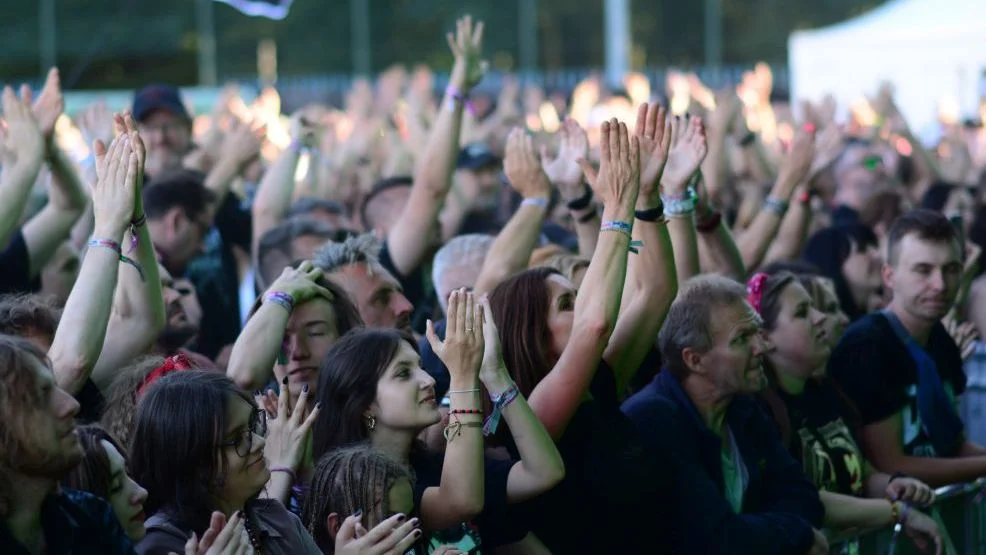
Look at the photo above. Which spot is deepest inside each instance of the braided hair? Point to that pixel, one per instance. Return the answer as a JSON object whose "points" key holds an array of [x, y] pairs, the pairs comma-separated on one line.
{"points": [[348, 479]]}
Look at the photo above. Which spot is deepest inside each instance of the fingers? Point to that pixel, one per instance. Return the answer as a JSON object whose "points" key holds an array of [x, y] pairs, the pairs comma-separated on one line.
{"points": [[614, 140], [432, 337], [282, 399], [604, 142], [462, 321], [588, 170], [477, 35], [270, 403], [640, 128], [382, 530], [624, 144], [402, 538], [310, 420], [229, 531], [634, 153], [26, 95], [470, 313], [347, 532], [298, 411]]}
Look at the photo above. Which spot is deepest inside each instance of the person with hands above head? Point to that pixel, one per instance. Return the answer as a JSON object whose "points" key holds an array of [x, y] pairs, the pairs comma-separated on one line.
{"points": [[23, 154], [583, 354], [290, 330], [372, 387], [566, 175], [812, 416]]}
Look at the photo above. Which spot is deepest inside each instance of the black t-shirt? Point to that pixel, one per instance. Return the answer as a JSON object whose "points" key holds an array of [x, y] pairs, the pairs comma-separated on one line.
{"points": [[15, 266], [878, 374], [615, 489], [416, 289], [822, 441], [494, 527]]}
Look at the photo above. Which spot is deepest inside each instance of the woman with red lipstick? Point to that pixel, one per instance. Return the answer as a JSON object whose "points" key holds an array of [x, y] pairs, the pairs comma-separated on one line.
{"points": [[198, 447], [814, 419], [372, 387], [103, 473]]}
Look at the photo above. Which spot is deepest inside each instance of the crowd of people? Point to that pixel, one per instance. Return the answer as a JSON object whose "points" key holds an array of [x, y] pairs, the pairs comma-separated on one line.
{"points": [[460, 324]]}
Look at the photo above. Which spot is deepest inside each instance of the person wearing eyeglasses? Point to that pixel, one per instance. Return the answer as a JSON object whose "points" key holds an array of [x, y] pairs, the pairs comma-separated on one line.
{"points": [[198, 448]]}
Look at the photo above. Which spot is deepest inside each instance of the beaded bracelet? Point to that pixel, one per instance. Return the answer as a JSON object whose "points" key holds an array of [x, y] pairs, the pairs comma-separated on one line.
{"points": [[541, 203], [453, 412], [115, 247], [455, 94], [280, 298], [135, 224], [500, 402]]}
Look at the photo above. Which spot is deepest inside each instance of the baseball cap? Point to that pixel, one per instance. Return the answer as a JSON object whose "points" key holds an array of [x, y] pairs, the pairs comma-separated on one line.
{"points": [[475, 156], [158, 97]]}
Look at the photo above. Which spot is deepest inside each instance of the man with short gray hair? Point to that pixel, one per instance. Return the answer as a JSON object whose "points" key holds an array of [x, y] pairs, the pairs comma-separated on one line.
{"points": [[354, 265], [738, 489], [458, 264]]}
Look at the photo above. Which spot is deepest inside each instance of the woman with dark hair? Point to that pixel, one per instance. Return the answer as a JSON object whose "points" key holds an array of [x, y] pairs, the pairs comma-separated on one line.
{"points": [[849, 255], [815, 419], [372, 388], [103, 473], [198, 447], [361, 481], [574, 354]]}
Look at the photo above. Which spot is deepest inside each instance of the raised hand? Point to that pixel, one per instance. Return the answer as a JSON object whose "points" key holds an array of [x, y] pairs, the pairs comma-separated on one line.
{"points": [[523, 168], [617, 181], [654, 133], [688, 148], [462, 349], [493, 366], [242, 143], [467, 47], [563, 170], [114, 192], [50, 103], [390, 537], [96, 122], [795, 166], [301, 283], [288, 432], [23, 142]]}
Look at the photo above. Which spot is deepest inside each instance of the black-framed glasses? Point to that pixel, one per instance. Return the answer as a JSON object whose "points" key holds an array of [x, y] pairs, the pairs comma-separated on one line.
{"points": [[244, 443]]}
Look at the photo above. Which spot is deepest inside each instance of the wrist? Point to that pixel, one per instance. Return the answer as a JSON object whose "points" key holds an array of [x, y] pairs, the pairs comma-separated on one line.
{"points": [[617, 213], [496, 379], [110, 231]]}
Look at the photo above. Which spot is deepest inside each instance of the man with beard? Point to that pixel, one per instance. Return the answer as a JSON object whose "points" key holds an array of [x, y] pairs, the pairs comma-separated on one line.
{"points": [[38, 446], [737, 490], [183, 315], [902, 369], [355, 265]]}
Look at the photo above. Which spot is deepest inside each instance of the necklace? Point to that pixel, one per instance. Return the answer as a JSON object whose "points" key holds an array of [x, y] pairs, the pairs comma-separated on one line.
{"points": [[258, 547]]}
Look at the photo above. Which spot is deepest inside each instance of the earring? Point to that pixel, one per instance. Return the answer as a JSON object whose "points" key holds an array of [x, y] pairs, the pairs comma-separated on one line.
{"points": [[371, 422]]}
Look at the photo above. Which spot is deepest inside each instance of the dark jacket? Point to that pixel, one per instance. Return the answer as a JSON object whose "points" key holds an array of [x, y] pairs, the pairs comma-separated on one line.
{"points": [[780, 506]]}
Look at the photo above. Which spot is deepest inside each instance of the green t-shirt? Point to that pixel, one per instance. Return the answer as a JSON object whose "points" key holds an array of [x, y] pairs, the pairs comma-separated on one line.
{"points": [[734, 473]]}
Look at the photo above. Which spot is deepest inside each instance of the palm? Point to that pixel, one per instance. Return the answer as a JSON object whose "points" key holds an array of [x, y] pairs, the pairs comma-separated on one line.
{"points": [[687, 153], [652, 161], [564, 170], [50, 103]]}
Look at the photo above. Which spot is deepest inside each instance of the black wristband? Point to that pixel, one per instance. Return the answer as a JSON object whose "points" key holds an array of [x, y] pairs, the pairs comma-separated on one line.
{"points": [[587, 217], [651, 214], [748, 139], [582, 202]]}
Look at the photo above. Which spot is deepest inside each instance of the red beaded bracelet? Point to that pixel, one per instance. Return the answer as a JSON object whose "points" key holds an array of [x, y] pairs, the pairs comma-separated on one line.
{"points": [[465, 411]]}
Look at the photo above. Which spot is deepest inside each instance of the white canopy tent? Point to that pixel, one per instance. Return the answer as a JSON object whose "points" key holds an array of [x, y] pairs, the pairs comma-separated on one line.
{"points": [[931, 50]]}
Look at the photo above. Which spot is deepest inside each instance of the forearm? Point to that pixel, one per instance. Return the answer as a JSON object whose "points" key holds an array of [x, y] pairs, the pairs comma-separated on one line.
{"points": [[15, 189], [511, 250], [454, 212], [718, 253], [275, 193], [218, 181], [846, 511], [937, 472], [603, 283], [715, 167], [756, 239], [67, 189], [82, 328], [876, 483], [681, 229], [461, 489], [83, 228], [541, 465], [255, 351], [792, 234], [278, 487]]}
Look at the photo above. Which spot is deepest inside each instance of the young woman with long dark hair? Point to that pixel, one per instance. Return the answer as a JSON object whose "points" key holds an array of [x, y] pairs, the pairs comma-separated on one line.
{"points": [[198, 447], [816, 420], [372, 388]]}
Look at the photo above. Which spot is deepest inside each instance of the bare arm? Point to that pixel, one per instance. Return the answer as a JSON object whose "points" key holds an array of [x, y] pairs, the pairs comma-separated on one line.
{"points": [[432, 179], [138, 315], [756, 239], [651, 282], [82, 329], [564, 173], [67, 200], [512, 248], [717, 250], [688, 149], [880, 442], [558, 395], [793, 232], [275, 193], [240, 146], [23, 147]]}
